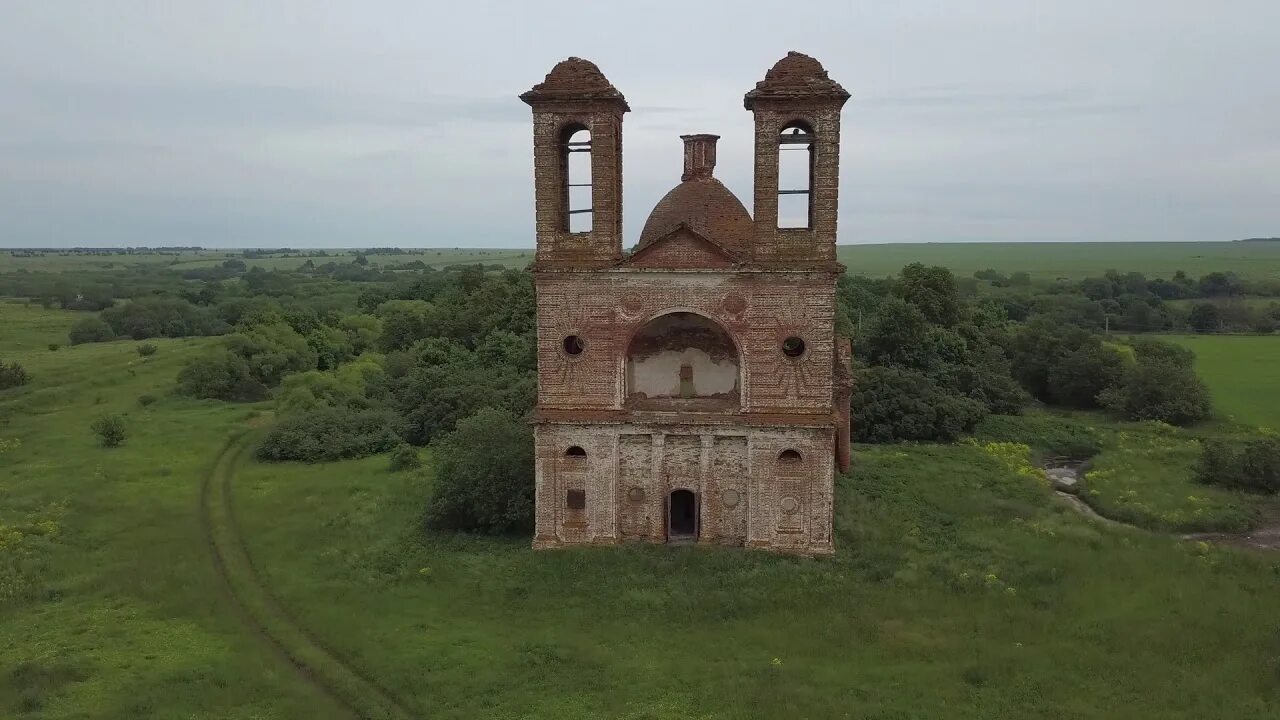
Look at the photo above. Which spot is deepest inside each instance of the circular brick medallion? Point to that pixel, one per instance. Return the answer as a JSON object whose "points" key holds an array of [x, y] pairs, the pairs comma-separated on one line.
{"points": [[789, 505], [635, 494], [631, 306], [734, 304], [730, 498]]}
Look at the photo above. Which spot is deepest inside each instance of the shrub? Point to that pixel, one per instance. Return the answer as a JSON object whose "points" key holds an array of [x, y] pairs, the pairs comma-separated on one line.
{"points": [[110, 429], [54, 347], [331, 433], [1253, 465], [146, 399], [484, 475], [896, 404], [147, 349], [220, 375], [12, 375], [1156, 389], [271, 350], [162, 317], [90, 329], [405, 457]]}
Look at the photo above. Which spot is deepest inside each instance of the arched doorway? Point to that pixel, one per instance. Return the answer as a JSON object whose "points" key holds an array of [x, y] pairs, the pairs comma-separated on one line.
{"points": [[682, 516]]}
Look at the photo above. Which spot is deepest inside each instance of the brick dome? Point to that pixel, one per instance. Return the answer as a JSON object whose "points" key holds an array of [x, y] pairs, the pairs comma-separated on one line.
{"points": [[577, 79], [796, 76], [707, 207]]}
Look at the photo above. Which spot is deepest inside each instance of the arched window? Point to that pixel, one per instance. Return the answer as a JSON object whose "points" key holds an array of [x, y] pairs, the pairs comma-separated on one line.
{"points": [[795, 176], [575, 172], [789, 457], [575, 451]]}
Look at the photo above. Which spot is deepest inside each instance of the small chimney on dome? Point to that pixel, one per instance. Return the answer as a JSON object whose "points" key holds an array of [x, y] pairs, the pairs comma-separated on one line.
{"points": [[699, 156]]}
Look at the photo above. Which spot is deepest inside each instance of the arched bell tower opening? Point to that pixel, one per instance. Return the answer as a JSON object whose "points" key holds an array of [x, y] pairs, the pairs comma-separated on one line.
{"points": [[795, 176], [575, 171], [683, 361]]}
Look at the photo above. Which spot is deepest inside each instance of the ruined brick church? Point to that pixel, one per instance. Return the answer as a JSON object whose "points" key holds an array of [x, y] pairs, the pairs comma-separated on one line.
{"points": [[692, 389]]}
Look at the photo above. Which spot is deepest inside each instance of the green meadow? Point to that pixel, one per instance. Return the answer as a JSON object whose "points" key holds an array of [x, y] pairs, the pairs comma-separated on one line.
{"points": [[1242, 372], [177, 577]]}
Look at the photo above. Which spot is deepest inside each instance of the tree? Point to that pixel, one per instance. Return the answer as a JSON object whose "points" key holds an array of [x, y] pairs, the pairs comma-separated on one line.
{"points": [[447, 382], [1077, 378], [1155, 389], [484, 476], [404, 322], [220, 375], [1220, 284], [1205, 317], [362, 331], [150, 317], [90, 330], [932, 290], [332, 346], [110, 429], [896, 336], [892, 403], [271, 350]]}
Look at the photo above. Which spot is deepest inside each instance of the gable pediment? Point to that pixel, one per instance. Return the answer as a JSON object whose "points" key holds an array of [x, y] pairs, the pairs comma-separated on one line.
{"points": [[682, 248]]}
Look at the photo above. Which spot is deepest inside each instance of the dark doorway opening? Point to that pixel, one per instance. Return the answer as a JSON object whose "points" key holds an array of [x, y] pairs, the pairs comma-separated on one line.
{"points": [[682, 515]]}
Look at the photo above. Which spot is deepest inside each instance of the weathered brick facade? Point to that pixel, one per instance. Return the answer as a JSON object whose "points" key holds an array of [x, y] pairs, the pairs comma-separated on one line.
{"points": [[694, 389]]}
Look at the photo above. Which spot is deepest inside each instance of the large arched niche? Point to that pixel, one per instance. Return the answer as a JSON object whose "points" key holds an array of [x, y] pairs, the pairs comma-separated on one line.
{"points": [[683, 361]]}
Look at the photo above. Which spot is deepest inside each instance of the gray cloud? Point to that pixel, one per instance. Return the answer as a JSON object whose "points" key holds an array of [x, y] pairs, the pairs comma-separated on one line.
{"points": [[394, 122]]}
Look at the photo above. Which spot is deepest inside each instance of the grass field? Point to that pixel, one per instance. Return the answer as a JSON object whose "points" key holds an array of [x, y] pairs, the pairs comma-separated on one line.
{"points": [[1045, 261], [961, 587], [109, 604], [1242, 372]]}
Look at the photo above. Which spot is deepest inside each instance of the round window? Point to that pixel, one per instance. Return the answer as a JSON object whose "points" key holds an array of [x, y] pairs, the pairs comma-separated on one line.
{"points": [[573, 345], [793, 347]]}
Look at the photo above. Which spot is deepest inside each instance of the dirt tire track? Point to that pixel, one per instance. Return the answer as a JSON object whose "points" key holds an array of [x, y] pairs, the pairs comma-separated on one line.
{"points": [[353, 692]]}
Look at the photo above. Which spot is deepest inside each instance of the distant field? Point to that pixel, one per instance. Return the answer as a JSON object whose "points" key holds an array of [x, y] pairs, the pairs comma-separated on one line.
{"points": [[53, 262], [1243, 374], [1072, 260], [1045, 261]]}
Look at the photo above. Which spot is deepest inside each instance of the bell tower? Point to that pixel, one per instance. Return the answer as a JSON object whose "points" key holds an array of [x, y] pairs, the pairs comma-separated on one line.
{"points": [[797, 164], [577, 163]]}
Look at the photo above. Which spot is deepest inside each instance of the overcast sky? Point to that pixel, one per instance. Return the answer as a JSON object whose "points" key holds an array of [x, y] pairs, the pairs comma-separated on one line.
{"points": [[268, 123]]}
